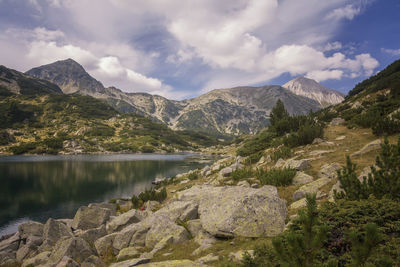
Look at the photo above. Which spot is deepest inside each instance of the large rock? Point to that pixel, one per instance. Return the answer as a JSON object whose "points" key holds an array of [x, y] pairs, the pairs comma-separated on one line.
{"points": [[128, 253], [298, 165], [235, 210], [374, 145], [104, 244], [336, 187], [310, 188], [329, 170], [337, 121], [30, 229], [8, 248], [93, 234], [28, 248], [93, 261], [171, 263], [73, 247], [302, 178], [298, 204], [38, 260], [226, 171], [67, 262], [53, 230], [132, 262], [87, 218], [112, 207], [119, 222], [180, 210]]}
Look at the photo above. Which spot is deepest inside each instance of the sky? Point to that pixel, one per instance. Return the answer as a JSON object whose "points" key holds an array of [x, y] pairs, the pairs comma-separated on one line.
{"points": [[183, 48]]}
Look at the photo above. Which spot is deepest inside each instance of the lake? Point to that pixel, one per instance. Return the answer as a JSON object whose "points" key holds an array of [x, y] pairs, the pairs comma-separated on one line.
{"points": [[40, 187]]}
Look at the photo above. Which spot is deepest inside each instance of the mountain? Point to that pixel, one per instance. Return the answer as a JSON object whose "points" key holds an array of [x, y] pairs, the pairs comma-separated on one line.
{"points": [[310, 88], [219, 112], [15, 82]]}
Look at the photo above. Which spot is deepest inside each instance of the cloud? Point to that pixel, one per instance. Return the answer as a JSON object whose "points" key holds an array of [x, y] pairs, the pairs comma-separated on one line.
{"points": [[332, 46], [393, 52], [347, 12]]}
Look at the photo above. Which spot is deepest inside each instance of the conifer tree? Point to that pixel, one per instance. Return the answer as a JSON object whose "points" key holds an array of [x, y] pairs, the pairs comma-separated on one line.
{"points": [[363, 247], [278, 113]]}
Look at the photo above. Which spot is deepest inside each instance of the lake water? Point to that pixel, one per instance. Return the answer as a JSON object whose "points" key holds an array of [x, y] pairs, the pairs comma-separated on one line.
{"points": [[40, 187]]}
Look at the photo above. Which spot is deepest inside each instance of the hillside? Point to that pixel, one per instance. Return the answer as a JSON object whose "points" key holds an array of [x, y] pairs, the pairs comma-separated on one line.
{"points": [[220, 112]]}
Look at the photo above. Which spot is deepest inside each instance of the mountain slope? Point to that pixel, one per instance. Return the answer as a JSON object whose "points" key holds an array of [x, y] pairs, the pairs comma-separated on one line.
{"points": [[14, 82], [224, 111], [311, 89]]}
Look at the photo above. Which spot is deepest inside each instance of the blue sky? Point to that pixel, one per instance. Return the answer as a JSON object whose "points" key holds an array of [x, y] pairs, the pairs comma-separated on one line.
{"points": [[180, 49]]}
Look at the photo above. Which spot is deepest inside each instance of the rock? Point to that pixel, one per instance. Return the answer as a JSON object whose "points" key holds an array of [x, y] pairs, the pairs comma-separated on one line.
{"points": [[112, 207], [194, 227], [132, 262], [87, 218], [93, 261], [261, 161], [39, 259], [340, 138], [104, 244], [53, 230], [10, 244], [93, 234], [337, 121], [310, 188], [329, 170], [302, 178], [226, 171], [299, 165], [67, 222], [124, 204], [180, 210], [73, 247], [319, 152], [30, 229], [279, 164], [67, 262], [321, 195], [184, 181], [119, 222], [238, 256], [159, 180], [298, 204], [28, 248], [208, 258], [208, 173], [374, 145], [255, 185], [216, 167], [171, 263], [336, 187], [205, 170], [238, 210], [151, 205], [243, 184], [317, 141], [128, 253]]}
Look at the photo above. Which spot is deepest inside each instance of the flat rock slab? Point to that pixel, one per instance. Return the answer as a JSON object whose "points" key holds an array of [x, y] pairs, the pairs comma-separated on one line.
{"points": [[298, 165], [310, 188], [173, 263], [236, 210], [302, 178], [329, 170], [374, 145], [93, 217], [132, 262]]}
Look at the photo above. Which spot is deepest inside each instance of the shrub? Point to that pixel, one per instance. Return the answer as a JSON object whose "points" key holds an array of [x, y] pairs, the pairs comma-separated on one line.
{"points": [[193, 176], [147, 149], [282, 153], [276, 177], [242, 174], [147, 195]]}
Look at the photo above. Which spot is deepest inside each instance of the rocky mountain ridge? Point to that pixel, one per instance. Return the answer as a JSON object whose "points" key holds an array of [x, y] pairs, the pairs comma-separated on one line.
{"points": [[222, 111]]}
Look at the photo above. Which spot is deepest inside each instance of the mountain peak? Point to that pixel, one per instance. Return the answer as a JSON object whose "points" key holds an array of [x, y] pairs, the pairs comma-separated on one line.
{"points": [[312, 89], [70, 76]]}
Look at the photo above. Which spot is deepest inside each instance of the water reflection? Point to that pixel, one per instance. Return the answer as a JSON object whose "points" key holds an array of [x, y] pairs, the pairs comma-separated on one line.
{"points": [[55, 186]]}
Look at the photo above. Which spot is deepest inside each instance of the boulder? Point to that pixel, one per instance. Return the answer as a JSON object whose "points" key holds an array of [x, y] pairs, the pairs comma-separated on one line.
{"points": [[119, 222], [53, 230], [216, 167], [159, 180], [298, 204], [93, 261], [329, 170], [87, 218], [128, 253], [226, 171], [279, 164], [67, 262], [336, 187], [93, 234], [73, 247], [317, 141], [133, 235], [11, 243], [319, 152], [243, 184], [124, 204], [112, 207], [30, 229], [241, 211], [310, 188], [180, 210], [302, 178], [298, 165], [28, 248], [372, 146], [239, 255], [340, 138], [151, 205], [208, 258], [104, 244], [337, 121], [170, 263], [132, 262], [39, 259], [205, 170]]}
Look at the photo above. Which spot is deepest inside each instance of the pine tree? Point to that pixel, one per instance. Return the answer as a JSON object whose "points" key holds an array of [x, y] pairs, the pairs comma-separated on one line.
{"points": [[363, 247], [300, 248], [278, 113]]}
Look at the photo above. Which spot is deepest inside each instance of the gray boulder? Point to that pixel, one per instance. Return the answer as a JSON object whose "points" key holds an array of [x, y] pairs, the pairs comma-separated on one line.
{"points": [[92, 235], [298, 165], [310, 188], [28, 248], [128, 253], [119, 222], [104, 244], [180, 210], [329, 170], [93, 261], [30, 229], [279, 164], [302, 178], [372, 146], [133, 262], [67, 262], [87, 218], [53, 230], [298, 204], [337, 121], [241, 211], [39, 259], [226, 171], [112, 207], [73, 247]]}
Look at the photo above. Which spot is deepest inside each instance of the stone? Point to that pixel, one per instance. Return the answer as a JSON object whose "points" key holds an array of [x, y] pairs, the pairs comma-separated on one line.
{"points": [[298, 165], [39, 259], [319, 152], [372, 146], [133, 235], [317, 141], [184, 181], [216, 167], [128, 253], [180, 210], [239, 255], [93, 261], [30, 228], [28, 248], [243, 184], [67, 262], [10, 244], [73, 247], [255, 185], [336, 187], [170, 263], [208, 258], [329, 170], [321, 195], [279, 164], [104, 244], [238, 211], [159, 180], [87, 218], [151, 205], [310, 188], [119, 222], [93, 234], [53, 230], [194, 227], [205, 170], [298, 204], [132, 262], [302, 178], [112, 207], [226, 171], [340, 138], [337, 121]]}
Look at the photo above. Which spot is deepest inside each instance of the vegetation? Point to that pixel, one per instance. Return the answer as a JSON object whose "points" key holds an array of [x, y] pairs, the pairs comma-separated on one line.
{"points": [[148, 195], [276, 177]]}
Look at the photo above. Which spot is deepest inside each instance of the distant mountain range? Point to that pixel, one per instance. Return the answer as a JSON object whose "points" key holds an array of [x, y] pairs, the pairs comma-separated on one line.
{"points": [[223, 111]]}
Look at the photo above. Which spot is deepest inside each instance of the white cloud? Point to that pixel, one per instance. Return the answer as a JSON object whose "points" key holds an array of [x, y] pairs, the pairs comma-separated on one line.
{"points": [[332, 46], [322, 75], [347, 12], [393, 52]]}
